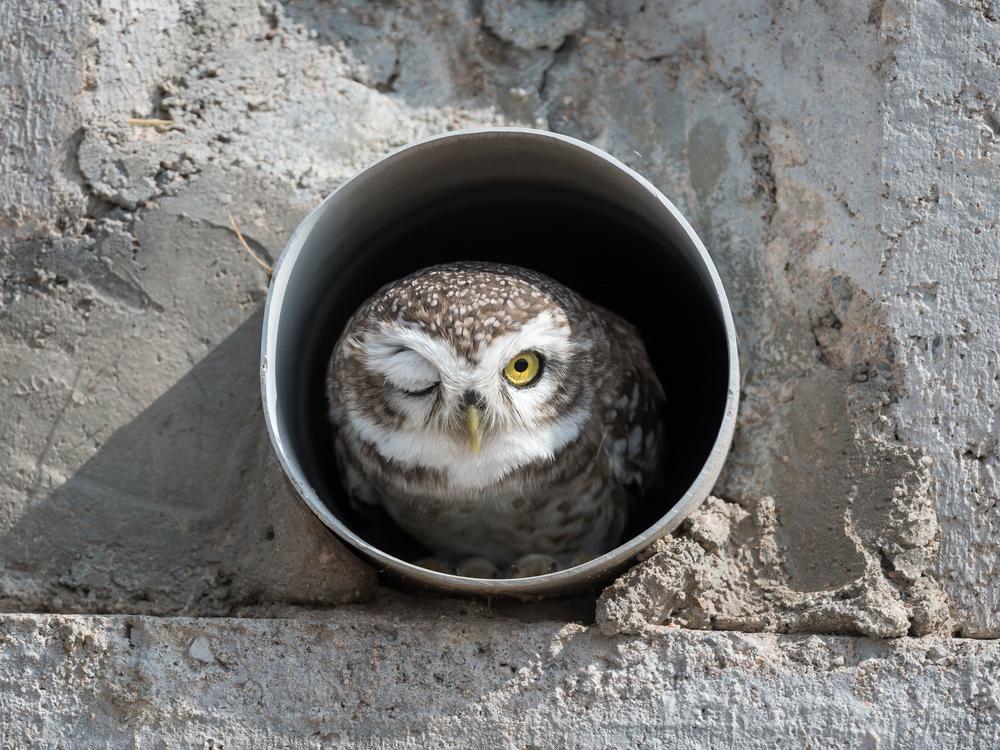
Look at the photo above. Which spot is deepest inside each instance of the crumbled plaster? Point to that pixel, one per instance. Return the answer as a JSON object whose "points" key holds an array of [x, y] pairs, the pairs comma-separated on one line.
{"points": [[841, 187], [727, 572]]}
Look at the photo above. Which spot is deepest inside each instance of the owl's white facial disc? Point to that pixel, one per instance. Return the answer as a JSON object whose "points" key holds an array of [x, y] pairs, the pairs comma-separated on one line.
{"points": [[403, 367], [426, 382]]}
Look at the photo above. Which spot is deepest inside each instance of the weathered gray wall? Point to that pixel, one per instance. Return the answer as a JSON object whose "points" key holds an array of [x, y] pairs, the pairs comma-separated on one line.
{"points": [[408, 679], [838, 159], [941, 254]]}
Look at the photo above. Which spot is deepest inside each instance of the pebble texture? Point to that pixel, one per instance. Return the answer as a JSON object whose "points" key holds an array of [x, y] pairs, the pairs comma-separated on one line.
{"points": [[838, 160], [406, 678]]}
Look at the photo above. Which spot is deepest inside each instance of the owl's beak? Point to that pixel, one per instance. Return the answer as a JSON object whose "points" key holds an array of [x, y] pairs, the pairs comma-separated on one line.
{"points": [[474, 426]]}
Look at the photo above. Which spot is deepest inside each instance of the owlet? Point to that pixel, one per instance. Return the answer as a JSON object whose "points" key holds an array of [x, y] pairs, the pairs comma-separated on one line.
{"points": [[494, 413]]}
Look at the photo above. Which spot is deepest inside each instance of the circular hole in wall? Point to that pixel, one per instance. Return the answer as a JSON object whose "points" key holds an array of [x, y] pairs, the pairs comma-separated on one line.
{"points": [[583, 233]]}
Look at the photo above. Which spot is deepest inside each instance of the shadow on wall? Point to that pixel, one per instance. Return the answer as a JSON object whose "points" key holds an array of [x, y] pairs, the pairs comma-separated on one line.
{"points": [[184, 510]]}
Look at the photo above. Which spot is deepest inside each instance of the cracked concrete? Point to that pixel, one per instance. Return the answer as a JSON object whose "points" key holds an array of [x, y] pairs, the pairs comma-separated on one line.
{"points": [[403, 676], [839, 163], [940, 214]]}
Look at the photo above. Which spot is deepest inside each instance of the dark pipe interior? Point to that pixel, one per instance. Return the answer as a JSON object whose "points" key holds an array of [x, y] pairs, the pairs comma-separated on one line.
{"points": [[606, 254]]}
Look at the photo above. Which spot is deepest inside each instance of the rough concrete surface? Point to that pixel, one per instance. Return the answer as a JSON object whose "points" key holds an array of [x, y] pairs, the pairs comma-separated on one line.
{"points": [[410, 678], [839, 161], [726, 572], [834, 158]]}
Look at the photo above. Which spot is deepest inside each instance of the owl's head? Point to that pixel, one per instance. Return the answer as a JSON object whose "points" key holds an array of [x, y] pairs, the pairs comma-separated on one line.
{"points": [[472, 370]]}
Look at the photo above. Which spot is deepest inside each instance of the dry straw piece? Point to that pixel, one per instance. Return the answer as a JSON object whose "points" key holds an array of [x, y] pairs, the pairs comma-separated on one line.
{"points": [[246, 246], [150, 122]]}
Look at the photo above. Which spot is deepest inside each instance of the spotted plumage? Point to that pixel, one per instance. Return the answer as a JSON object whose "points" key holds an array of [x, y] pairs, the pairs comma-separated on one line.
{"points": [[495, 413]]}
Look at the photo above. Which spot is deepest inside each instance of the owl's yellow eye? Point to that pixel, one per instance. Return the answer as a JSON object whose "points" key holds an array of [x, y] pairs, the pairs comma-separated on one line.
{"points": [[523, 369]]}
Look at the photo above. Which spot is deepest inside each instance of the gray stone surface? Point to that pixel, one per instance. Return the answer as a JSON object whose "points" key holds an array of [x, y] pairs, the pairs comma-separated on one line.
{"points": [[409, 677], [838, 160], [940, 271]]}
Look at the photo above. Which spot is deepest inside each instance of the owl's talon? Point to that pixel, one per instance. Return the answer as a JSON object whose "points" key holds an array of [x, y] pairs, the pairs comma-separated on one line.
{"points": [[533, 565], [434, 563], [477, 567]]}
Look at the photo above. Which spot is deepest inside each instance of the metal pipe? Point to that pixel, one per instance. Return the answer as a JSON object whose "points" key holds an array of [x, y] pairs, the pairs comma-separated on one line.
{"points": [[388, 220]]}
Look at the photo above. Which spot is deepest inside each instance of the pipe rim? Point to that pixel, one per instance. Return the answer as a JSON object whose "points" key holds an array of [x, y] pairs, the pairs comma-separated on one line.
{"points": [[573, 578]]}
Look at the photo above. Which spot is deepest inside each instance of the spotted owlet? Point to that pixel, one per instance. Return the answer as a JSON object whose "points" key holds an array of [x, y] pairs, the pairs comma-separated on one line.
{"points": [[494, 413]]}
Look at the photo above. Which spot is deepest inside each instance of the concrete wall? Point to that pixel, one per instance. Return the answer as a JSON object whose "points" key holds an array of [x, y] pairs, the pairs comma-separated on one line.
{"points": [[838, 159], [409, 678]]}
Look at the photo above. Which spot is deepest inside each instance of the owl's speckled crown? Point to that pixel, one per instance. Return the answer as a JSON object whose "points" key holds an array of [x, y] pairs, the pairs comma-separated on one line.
{"points": [[470, 303]]}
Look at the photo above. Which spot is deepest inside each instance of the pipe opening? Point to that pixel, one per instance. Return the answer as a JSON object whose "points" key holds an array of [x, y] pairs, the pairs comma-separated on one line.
{"points": [[594, 240]]}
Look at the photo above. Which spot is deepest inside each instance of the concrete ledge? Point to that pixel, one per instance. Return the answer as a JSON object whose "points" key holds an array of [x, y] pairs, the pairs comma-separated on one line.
{"points": [[405, 675]]}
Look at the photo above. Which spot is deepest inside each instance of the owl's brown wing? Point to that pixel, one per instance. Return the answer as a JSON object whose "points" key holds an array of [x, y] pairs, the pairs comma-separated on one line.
{"points": [[354, 457], [633, 425]]}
